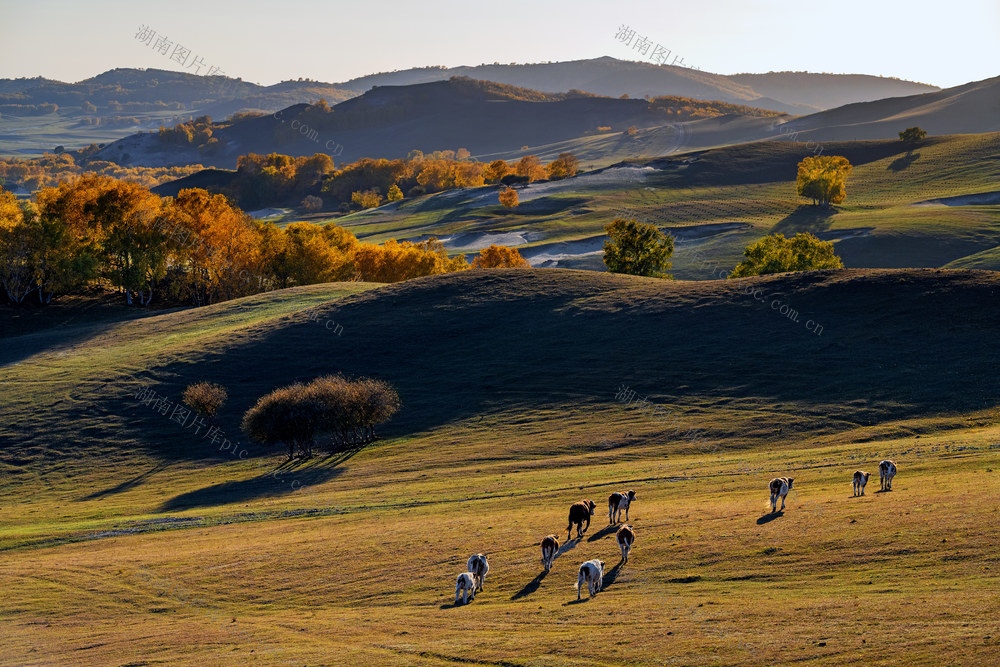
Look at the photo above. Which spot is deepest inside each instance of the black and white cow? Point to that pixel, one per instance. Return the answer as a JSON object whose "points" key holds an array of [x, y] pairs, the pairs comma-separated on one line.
{"points": [[617, 502]]}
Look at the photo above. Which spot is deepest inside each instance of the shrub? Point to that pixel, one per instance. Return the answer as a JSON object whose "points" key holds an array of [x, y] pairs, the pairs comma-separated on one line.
{"points": [[776, 254], [205, 398], [289, 415], [508, 197], [312, 203]]}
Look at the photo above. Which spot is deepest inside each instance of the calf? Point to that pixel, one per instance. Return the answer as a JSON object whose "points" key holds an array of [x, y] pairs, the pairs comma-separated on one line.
{"points": [[860, 480], [886, 471], [465, 587], [478, 566], [550, 546], [591, 572], [780, 486], [618, 502], [625, 537], [578, 513]]}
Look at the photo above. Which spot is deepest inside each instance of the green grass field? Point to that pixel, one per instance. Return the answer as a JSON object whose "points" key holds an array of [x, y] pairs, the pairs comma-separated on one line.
{"points": [[128, 539]]}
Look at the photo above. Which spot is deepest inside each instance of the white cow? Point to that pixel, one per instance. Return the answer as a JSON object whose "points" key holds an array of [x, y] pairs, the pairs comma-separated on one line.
{"points": [[478, 566], [591, 573], [465, 588]]}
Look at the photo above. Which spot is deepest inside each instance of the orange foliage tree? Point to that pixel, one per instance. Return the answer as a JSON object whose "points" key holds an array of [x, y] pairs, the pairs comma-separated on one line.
{"points": [[499, 257], [508, 197]]}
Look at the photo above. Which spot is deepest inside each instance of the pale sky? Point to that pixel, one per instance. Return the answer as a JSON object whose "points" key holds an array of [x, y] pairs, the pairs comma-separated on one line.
{"points": [[266, 41]]}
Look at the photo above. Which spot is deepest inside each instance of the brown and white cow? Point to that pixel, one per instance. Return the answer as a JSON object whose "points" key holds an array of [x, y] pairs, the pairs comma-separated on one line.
{"points": [[779, 487], [550, 547], [886, 471], [465, 587], [617, 502], [478, 566], [860, 480], [578, 514], [591, 573], [625, 537]]}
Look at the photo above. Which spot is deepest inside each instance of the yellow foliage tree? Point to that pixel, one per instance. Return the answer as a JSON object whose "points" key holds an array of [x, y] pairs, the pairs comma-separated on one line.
{"points": [[395, 194], [499, 257], [508, 197], [822, 178]]}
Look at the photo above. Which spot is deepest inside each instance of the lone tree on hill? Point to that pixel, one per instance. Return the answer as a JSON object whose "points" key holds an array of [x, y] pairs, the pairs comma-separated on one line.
{"points": [[499, 257], [508, 197], [205, 398], [776, 254], [822, 179], [912, 135], [289, 415], [637, 248]]}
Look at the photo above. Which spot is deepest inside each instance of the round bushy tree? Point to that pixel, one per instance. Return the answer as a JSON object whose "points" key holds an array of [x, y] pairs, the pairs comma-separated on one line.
{"points": [[637, 248], [776, 254]]}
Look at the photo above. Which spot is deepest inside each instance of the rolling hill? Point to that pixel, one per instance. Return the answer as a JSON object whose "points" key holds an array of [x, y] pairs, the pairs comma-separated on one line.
{"points": [[126, 534]]}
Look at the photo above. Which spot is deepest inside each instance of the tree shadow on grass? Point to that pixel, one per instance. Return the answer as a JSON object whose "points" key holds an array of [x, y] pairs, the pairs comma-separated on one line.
{"points": [[805, 218], [530, 587], [903, 162], [603, 532], [126, 485], [769, 517], [289, 477]]}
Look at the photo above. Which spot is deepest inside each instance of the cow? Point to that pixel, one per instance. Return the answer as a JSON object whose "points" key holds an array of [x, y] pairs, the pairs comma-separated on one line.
{"points": [[550, 546], [618, 502], [779, 486], [625, 537], [578, 513], [860, 480], [465, 587], [478, 566], [886, 471], [591, 573]]}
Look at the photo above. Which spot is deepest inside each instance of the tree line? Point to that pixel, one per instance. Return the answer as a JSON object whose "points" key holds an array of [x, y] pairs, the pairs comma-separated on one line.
{"points": [[193, 248]]}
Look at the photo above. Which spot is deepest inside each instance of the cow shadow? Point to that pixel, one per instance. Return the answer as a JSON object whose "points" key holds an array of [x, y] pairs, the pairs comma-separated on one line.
{"points": [[604, 532], [769, 517], [530, 587], [568, 545], [883, 491], [611, 575]]}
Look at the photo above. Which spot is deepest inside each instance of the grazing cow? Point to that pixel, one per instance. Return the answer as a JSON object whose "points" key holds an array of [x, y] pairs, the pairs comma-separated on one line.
{"points": [[886, 471], [465, 587], [780, 486], [591, 572], [578, 513], [860, 480], [618, 502], [478, 566], [550, 546], [625, 537]]}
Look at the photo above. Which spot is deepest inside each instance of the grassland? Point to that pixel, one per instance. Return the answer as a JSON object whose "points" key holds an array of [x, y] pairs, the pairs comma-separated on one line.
{"points": [[737, 194], [129, 539]]}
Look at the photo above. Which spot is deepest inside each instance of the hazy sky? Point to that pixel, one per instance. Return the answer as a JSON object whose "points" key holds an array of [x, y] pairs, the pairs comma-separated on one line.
{"points": [[265, 41]]}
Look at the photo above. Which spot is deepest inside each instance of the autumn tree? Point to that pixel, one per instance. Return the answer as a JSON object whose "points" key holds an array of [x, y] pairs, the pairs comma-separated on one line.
{"points": [[353, 408], [311, 204], [314, 254], [17, 244], [637, 248], [291, 415], [496, 170], [205, 398], [565, 166], [822, 179], [531, 167], [367, 198], [776, 254], [395, 194], [499, 257], [912, 135], [508, 197]]}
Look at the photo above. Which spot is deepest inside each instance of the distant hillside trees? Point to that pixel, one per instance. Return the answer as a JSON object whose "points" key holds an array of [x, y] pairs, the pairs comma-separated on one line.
{"points": [[823, 179], [499, 257], [912, 135], [347, 410], [508, 197], [531, 167], [496, 170], [394, 194], [311, 203], [776, 254], [54, 168], [637, 248], [366, 199]]}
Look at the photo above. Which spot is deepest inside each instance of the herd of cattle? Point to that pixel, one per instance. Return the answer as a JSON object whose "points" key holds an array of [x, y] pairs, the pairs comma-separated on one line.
{"points": [[591, 572]]}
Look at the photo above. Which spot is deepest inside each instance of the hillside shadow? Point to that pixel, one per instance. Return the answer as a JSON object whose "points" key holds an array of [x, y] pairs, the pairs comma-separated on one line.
{"points": [[603, 532], [126, 485], [769, 517], [280, 481], [903, 162], [805, 218], [530, 587]]}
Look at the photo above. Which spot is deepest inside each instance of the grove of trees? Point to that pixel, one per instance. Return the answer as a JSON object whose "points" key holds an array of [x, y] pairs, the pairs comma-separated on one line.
{"points": [[499, 257], [637, 248], [823, 178], [346, 410], [776, 254]]}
